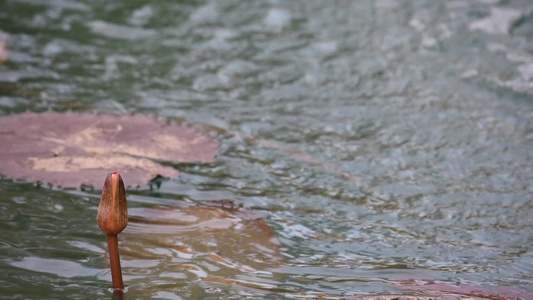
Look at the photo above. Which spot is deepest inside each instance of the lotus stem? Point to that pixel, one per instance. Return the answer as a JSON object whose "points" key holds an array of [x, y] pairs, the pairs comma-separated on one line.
{"points": [[114, 257]]}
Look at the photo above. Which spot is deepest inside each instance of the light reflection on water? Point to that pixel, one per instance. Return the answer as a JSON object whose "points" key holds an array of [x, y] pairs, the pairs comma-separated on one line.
{"points": [[376, 142]]}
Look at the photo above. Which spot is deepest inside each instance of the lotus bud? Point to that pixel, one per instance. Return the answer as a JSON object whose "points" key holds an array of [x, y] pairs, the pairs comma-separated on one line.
{"points": [[113, 210]]}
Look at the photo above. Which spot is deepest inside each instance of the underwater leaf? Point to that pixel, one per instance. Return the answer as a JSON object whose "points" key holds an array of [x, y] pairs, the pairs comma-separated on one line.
{"points": [[71, 149], [212, 231], [3, 47]]}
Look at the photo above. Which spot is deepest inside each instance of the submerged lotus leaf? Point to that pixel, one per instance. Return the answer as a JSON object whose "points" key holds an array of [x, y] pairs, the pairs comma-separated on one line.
{"points": [[211, 232], [71, 149]]}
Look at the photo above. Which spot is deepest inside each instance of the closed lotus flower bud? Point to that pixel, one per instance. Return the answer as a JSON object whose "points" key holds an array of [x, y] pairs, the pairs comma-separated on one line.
{"points": [[113, 210]]}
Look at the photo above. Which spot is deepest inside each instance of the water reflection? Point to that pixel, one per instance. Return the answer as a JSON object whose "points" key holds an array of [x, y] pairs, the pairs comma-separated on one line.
{"points": [[63, 268]]}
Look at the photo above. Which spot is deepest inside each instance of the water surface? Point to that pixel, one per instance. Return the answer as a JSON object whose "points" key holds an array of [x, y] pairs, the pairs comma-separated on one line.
{"points": [[379, 141]]}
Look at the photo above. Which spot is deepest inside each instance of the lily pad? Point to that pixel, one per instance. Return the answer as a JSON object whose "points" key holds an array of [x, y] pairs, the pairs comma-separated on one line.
{"points": [[72, 149]]}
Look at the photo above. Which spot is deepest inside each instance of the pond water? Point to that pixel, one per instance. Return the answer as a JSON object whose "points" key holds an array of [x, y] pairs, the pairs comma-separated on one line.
{"points": [[386, 146]]}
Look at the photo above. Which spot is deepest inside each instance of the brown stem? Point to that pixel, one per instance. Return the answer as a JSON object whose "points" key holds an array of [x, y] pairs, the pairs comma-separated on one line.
{"points": [[116, 273]]}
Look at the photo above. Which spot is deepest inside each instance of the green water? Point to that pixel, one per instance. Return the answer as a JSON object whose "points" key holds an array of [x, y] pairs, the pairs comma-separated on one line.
{"points": [[379, 140]]}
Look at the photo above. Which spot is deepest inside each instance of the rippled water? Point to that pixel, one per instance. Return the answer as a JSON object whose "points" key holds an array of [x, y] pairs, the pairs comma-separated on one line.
{"points": [[380, 147]]}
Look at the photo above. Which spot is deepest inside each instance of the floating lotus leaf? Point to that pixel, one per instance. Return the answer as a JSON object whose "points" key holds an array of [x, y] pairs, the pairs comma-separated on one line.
{"points": [[71, 149]]}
